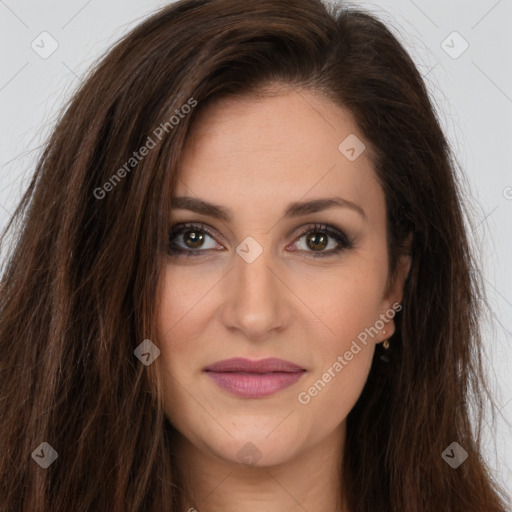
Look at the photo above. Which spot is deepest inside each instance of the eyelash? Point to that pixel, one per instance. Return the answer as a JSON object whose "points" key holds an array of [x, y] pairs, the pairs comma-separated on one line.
{"points": [[343, 240]]}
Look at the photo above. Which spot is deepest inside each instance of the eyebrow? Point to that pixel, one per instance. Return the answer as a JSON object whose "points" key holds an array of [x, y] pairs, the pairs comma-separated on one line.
{"points": [[296, 209]]}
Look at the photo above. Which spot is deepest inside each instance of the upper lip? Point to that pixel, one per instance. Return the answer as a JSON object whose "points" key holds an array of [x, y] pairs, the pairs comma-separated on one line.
{"points": [[240, 364]]}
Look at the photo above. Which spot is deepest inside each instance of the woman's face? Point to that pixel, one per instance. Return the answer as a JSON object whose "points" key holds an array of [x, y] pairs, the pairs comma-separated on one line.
{"points": [[257, 287]]}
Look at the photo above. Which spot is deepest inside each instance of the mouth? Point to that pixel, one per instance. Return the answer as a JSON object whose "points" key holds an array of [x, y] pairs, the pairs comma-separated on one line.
{"points": [[254, 379]]}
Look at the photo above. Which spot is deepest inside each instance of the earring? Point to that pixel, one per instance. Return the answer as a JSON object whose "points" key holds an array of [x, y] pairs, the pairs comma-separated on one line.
{"points": [[385, 343]]}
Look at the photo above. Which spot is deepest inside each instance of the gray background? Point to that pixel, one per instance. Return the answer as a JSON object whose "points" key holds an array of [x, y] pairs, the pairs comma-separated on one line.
{"points": [[472, 90]]}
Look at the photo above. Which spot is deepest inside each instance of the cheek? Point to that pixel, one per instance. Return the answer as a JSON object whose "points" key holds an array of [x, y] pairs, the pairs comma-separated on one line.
{"points": [[179, 329], [344, 344], [327, 399], [341, 368], [186, 297], [341, 304]]}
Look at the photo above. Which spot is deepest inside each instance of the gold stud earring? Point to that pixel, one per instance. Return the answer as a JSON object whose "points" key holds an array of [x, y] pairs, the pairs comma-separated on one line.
{"points": [[385, 343]]}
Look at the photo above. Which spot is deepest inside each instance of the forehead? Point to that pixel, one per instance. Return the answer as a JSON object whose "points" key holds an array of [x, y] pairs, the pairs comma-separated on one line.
{"points": [[281, 148]]}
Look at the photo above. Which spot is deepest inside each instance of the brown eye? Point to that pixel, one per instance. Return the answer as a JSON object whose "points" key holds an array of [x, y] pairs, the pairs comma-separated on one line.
{"points": [[322, 240], [317, 241], [191, 239]]}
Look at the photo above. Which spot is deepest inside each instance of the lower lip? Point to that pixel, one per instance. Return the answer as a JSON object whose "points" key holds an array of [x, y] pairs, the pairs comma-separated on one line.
{"points": [[254, 385]]}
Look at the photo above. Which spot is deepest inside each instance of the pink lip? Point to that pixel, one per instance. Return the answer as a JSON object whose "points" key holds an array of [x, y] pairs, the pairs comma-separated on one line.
{"points": [[254, 379]]}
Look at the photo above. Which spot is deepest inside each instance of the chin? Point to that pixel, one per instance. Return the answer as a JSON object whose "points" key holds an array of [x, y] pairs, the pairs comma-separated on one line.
{"points": [[258, 446]]}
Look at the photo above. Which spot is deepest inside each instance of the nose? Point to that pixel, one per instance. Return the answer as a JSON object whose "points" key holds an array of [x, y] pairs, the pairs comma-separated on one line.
{"points": [[257, 299]]}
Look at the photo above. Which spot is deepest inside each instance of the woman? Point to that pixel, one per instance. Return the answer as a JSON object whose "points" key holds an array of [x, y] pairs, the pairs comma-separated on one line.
{"points": [[243, 281]]}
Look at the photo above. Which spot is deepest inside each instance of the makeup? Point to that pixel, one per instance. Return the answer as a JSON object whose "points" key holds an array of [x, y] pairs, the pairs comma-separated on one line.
{"points": [[254, 379]]}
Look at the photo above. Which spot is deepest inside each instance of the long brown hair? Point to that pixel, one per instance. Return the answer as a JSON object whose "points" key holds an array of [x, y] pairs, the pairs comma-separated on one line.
{"points": [[80, 284]]}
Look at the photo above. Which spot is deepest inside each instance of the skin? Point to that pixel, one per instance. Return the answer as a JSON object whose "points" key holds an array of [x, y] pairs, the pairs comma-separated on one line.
{"points": [[255, 156]]}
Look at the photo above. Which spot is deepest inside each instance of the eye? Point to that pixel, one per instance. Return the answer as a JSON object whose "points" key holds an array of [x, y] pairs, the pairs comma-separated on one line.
{"points": [[193, 237], [320, 237], [190, 239]]}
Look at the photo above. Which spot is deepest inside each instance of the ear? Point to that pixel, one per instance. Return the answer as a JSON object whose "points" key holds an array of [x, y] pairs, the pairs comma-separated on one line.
{"points": [[395, 290]]}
